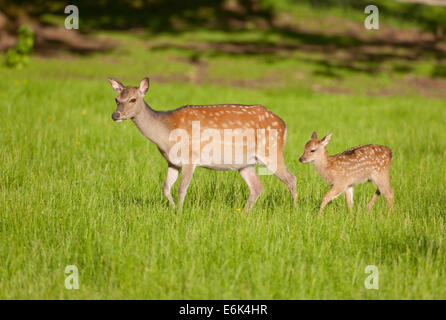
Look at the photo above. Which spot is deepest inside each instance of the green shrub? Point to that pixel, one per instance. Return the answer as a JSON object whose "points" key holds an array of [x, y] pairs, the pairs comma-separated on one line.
{"points": [[18, 56]]}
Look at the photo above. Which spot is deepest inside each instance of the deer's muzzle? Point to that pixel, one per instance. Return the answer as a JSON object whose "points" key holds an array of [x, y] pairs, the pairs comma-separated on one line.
{"points": [[116, 116]]}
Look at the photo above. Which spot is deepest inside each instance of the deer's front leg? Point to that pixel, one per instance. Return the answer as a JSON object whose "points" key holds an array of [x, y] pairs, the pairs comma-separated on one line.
{"points": [[349, 197], [330, 195], [187, 171], [171, 177]]}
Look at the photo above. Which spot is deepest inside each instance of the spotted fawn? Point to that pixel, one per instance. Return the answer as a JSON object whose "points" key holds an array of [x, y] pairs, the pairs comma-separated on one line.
{"points": [[354, 166]]}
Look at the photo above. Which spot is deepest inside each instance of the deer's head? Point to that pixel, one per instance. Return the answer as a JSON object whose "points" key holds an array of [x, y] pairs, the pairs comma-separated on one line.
{"points": [[130, 100], [315, 149]]}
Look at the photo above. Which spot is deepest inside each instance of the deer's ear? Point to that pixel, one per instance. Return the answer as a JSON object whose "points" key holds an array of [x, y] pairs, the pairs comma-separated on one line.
{"points": [[117, 86], [325, 140], [144, 86], [314, 135]]}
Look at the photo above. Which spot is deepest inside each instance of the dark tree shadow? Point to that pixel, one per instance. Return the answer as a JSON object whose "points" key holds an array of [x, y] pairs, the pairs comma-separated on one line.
{"points": [[350, 50]]}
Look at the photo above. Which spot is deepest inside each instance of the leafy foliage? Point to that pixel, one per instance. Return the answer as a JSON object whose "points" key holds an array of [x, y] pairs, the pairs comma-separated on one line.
{"points": [[18, 57]]}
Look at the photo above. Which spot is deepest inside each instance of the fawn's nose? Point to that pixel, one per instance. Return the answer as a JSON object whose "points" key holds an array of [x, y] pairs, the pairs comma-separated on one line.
{"points": [[300, 159], [116, 115]]}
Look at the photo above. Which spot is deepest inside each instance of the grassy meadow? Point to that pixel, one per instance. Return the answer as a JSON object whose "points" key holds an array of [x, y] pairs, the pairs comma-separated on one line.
{"points": [[78, 189]]}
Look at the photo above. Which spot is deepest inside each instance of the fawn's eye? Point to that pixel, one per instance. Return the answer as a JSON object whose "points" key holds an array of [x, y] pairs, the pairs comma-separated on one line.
{"points": [[133, 100], [313, 150]]}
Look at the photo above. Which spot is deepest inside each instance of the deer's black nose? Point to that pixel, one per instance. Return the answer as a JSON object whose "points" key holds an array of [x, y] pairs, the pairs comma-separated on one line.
{"points": [[300, 159], [115, 116]]}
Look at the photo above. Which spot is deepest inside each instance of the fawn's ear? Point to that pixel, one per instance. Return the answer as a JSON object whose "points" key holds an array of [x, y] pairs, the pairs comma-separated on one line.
{"points": [[117, 86], [325, 140], [144, 86], [314, 135]]}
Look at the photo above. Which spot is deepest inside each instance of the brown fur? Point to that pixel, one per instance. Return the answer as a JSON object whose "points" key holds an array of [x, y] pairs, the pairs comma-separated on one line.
{"points": [[345, 170], [157, 126]]}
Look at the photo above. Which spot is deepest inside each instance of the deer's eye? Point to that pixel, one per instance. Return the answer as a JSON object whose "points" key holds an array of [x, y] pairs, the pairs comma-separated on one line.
{"points": [[133, 100], [313, 150]]}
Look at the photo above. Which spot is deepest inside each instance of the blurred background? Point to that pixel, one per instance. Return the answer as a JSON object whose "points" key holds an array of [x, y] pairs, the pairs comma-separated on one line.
{"points": [[317, 45]]}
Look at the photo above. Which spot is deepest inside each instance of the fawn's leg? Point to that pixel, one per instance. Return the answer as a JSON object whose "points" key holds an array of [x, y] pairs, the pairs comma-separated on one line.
{"points": [[349, 197], [383, 184], [372, 202], [386, 190], [255, 187], [187, 171], [330, 195], [171, 177]]}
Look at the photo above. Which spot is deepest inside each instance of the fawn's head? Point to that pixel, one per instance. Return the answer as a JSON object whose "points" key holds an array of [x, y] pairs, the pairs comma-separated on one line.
{"points": [[130, 100], [315, 149]]}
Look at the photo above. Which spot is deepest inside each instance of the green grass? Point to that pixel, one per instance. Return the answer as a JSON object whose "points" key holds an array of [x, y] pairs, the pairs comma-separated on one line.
{"points": [[78, 189]]}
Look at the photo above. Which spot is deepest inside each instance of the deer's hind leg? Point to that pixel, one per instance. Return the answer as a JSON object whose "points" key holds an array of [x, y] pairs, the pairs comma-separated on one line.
{"points": [[372, 201], [289, 179], [255, 186], [280, 170], [382, 181]]}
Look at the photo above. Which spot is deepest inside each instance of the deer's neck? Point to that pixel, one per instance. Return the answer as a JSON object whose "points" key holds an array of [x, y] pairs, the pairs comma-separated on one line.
{"points": [[152, 125], [322, 164]]}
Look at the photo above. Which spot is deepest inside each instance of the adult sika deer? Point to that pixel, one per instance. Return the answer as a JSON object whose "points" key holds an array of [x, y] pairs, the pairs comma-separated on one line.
{"points": [[354, 166], [219, 137]]}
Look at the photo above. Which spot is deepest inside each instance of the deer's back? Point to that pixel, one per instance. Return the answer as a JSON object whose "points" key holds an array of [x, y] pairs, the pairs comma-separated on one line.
{"points": [[226, 116], [361, 162]]}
